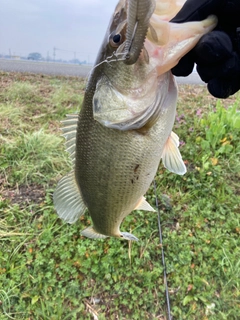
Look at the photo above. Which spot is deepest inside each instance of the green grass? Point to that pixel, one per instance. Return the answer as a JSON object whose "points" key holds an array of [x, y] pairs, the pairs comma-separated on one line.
{"points": [[49, 271]]}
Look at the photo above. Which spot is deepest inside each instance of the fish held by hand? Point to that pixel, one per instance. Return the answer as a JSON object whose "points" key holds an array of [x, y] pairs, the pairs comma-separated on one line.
{"points": [[125, 123]]}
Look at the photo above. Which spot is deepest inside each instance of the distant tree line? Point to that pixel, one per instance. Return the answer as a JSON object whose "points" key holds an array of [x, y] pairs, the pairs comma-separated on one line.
{"points": [[38, 57], [35, 56]]}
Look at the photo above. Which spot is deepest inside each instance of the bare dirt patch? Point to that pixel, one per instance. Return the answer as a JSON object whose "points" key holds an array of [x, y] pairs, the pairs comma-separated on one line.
{"points": [[25, 194]]}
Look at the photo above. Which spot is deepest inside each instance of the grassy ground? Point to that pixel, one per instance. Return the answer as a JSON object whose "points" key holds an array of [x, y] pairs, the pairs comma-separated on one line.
{"points": [[48, 271]]}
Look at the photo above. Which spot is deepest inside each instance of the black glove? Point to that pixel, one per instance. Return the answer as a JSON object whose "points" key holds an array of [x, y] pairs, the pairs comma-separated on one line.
{"points": [[217, 54]]}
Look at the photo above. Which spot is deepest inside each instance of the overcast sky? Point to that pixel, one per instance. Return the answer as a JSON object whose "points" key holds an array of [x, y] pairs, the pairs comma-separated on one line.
{"points": [[40, 25]]}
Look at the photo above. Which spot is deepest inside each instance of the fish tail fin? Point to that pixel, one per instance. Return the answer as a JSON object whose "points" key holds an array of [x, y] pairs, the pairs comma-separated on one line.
{"points": [[128, 236], [171, 157], [92, 234], [67, 199]]}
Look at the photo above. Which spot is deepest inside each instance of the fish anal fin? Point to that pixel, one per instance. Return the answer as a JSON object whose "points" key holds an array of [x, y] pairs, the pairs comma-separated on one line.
{"points": [[92, 234], [144, 205], [171, 157], [67, 199]]}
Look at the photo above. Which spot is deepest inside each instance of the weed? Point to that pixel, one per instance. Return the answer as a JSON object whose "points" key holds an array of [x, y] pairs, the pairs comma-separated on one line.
{"points": [[49, 271]]}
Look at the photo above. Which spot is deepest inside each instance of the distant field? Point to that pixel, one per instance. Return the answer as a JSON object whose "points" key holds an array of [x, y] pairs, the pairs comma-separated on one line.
{"points": [[48, 271], [61, 69], [50, 68]]}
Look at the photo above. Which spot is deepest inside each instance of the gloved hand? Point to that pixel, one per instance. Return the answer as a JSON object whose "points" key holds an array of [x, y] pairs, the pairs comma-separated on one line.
{"points": [[217, 54]]}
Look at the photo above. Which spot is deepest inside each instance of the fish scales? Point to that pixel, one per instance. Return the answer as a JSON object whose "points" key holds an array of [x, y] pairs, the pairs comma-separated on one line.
{"points": [[111, 156]]}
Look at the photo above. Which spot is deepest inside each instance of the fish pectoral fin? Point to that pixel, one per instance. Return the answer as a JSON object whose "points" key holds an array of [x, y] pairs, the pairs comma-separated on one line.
{"points": [[128, 236], [171, 157], [144, 205], [67, 199], [92, 234]]}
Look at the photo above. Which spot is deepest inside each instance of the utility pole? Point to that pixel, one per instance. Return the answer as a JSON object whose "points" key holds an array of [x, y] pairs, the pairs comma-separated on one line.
{"points": [[54, 53]]}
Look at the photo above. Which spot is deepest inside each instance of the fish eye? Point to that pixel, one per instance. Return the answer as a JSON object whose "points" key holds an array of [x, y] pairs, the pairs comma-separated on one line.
{"points": [[115, 39]]}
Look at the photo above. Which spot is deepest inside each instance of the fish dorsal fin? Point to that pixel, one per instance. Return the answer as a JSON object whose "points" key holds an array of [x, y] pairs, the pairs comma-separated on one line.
{"points": [[171, 157], [144, 205], [69, 130], [67, 199], [92, 234]]}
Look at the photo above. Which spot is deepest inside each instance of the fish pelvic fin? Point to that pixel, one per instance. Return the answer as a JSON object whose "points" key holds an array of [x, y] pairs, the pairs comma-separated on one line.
{"points": [[171, 156], [69, 130], [67, 199], [144, 205], [91, 233], [128, 236]]}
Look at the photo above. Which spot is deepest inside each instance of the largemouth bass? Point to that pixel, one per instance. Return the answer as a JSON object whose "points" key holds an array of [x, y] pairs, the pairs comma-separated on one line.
{"points": [[125, 124]]}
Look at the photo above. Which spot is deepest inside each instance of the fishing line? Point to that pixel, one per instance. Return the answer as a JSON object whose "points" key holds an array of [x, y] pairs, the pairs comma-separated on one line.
{"points": [[169, 317], [113, 58]]}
